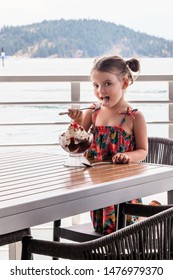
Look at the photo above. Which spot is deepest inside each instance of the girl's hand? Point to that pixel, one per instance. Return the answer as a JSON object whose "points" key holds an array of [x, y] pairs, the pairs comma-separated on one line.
{"points": [[76, 115], [121, 158]]}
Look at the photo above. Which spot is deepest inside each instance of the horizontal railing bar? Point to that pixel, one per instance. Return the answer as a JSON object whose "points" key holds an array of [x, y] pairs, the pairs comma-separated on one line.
{"points": [[65, 123], [32, 123], [37, 103], [154, 78], [65, 78], [29, 145], [77, 78], [80, 103]]}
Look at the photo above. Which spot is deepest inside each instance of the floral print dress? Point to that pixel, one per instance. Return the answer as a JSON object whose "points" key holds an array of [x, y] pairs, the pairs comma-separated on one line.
{"points": [[107, 141]]}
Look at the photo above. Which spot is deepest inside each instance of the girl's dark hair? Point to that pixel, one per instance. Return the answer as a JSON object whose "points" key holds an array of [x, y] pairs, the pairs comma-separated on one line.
{"points": [[118, 64]]}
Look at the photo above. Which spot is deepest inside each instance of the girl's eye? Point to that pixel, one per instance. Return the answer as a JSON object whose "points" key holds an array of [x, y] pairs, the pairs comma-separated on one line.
{"points": [[107, 84], [95, 86]]}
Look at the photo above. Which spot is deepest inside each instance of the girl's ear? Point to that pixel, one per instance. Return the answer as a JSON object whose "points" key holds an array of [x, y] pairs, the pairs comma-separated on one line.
{"points": [[125, 83]]}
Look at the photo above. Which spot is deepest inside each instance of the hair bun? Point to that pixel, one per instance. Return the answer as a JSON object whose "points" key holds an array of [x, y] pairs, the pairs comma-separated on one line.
{"points": [[133, 64]]}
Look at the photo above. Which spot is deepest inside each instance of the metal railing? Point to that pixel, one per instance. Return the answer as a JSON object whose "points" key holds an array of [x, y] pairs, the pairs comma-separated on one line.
{"points": [[75, 91]]}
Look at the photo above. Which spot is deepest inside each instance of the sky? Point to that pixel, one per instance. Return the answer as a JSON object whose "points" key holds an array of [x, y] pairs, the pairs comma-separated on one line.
{"points": [[154, 17]]}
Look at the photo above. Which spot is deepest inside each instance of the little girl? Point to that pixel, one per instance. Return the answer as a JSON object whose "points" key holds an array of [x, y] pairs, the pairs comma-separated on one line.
{"points": [[119, 131]]}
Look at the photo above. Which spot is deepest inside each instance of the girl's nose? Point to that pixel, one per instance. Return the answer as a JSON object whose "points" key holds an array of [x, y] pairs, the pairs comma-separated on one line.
{"points": [[101, 89]]}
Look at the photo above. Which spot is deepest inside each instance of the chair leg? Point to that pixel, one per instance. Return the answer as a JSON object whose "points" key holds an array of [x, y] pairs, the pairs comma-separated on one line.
{"points": [[56, 228], [121, 218], [170, 197], [56, 225], [25, 254]]}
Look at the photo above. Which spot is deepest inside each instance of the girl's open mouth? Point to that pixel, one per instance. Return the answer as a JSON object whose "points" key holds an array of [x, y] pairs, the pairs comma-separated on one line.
{"points": [[105, 100]]}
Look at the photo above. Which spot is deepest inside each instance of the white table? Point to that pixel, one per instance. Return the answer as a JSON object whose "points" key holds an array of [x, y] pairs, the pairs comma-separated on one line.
{"points": [[36, 188]]}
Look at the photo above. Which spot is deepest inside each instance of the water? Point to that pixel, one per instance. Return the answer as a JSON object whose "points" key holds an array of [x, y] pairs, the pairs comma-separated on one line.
{"points": [[74, 66]]}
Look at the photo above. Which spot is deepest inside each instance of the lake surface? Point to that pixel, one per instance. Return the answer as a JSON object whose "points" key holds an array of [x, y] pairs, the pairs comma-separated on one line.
{"points": [[75, 66]]}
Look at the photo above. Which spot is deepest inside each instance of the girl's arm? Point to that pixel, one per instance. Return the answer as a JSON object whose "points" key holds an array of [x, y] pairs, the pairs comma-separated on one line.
{"points": [[140, 133]]}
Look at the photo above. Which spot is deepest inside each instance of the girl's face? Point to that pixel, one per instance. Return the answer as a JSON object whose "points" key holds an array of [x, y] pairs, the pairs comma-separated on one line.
{"points": [[108, 88]]}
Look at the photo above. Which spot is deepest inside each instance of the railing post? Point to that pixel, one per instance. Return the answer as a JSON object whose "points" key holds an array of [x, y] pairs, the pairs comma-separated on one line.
{"points": [[75, 94], [170, 109], [170, 193]]}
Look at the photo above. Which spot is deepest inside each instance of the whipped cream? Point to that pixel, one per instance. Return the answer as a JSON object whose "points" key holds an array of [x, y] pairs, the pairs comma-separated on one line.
{"points": [[77, 133]]}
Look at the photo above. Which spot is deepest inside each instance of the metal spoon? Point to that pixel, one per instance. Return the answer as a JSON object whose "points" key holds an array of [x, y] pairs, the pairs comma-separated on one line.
{"points": [[92, 108]]}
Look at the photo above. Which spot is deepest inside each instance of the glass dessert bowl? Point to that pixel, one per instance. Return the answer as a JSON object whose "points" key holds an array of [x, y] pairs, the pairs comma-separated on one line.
{"points": [[75, 141]]}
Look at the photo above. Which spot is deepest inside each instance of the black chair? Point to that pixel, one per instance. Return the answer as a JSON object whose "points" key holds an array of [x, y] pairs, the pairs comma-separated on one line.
{"points": [[160, 151], [13, 237], [150, 239]]}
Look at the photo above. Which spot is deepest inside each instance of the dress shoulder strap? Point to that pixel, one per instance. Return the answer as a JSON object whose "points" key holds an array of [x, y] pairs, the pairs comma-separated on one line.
{"points": [[128, 113]]}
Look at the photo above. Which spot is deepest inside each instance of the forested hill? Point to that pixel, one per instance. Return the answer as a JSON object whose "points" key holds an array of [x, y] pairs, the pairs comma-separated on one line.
{"points": [[80, 38]]}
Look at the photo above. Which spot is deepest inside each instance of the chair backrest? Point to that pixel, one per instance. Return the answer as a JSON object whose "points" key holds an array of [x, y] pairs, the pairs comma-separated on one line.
{"points": [[160, 151], [146, 240]]}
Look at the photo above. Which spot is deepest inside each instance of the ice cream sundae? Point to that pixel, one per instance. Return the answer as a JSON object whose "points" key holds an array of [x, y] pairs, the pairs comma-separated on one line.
{"points": [[75, 139]]}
